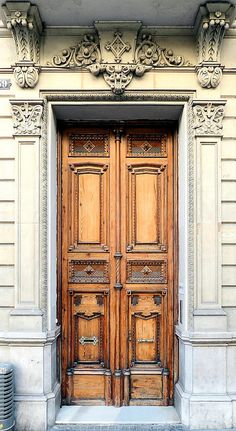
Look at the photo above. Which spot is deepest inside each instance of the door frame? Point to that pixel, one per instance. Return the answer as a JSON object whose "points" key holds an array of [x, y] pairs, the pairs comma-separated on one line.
{"points": [[158, 101], [173, 319]]}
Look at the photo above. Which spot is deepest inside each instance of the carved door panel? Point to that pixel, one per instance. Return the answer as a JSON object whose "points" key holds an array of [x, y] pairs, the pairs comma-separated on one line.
{"points": [[117, 265]]}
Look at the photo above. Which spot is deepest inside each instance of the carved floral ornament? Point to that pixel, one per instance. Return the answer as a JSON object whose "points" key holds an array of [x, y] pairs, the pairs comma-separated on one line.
{"points": [[27, 117], [208, 118], [148, 55]]}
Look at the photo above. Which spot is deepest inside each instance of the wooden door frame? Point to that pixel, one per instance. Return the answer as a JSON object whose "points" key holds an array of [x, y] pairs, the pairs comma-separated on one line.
{"points": [[172, 125]]}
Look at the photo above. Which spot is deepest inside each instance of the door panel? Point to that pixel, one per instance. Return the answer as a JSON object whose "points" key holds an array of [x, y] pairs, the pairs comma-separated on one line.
{"points": [[117, 254]]}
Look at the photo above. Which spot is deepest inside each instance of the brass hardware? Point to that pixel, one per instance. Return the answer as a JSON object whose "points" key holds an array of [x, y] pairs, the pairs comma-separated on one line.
{"points": [[146, 340], [88, 340]]}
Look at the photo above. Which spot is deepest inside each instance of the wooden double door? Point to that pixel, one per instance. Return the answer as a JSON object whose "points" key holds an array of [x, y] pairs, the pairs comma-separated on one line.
{"points": [[117, 264]]}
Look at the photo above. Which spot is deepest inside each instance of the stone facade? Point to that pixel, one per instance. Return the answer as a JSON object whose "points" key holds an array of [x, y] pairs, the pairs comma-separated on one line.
{"points": [[192, 73]]}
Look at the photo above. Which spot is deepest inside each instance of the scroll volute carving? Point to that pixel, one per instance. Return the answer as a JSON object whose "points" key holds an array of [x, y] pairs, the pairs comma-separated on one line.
{"points": [[212, 21], [23, 19]]}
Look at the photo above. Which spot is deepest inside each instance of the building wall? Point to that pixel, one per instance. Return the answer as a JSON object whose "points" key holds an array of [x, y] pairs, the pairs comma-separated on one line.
{"points": [[207, 333]]}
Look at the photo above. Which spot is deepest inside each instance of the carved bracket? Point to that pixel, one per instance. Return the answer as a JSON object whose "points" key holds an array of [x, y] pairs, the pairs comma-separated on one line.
{"points": [[212, 21], [27, 117], [144, 56], [208, 118], [24, 21]]}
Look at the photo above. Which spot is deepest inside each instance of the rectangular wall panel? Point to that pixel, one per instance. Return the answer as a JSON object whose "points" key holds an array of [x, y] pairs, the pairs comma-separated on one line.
{"points": [[28, 224], [208, 199]]}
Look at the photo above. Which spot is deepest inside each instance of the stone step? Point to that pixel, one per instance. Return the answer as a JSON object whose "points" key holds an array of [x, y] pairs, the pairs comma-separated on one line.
{"points": [[118, 427], [133, 418]]}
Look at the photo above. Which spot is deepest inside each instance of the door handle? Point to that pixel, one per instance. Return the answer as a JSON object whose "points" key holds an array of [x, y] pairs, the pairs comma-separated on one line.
{"points": [[88, 340], [145, 340]]}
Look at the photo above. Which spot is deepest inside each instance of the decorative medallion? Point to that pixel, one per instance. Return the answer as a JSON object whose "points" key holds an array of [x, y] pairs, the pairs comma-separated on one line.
{"points": [[89, 146], [118, 46]]}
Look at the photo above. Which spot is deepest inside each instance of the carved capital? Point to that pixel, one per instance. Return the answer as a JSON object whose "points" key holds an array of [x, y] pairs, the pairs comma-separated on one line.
{"points": [[27, 117], [208, 118], [212, 21], [24, 21]]}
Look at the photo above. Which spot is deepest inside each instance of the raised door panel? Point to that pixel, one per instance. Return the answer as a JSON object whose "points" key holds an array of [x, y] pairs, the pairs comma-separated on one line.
{"points": [[147, 208], [88, 207]]}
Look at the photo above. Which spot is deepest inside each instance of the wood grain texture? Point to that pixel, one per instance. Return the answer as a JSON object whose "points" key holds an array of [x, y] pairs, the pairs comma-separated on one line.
{"points": [[117, 245]]}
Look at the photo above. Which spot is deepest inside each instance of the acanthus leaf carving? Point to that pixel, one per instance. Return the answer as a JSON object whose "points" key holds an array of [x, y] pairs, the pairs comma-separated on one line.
{"points": [[208, 119], [27, 118], [24, 21], [212, 21]]}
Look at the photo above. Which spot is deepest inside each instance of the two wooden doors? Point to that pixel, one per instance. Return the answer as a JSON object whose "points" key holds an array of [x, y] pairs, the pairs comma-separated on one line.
{"points": [[117, 264]]}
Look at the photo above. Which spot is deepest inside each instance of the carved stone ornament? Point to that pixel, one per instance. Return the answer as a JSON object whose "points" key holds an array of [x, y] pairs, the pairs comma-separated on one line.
{"points": [[209, 75], [149, 53], [26, 75], [208, 119], [24, 21], [212, 21], [87, 54], [27, 117], [118, 46]]}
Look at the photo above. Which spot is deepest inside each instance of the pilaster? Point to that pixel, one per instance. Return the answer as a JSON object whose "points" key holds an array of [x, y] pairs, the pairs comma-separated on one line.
{"points": [[27, 116], [212, 20], [24, 21], [208, 127]]}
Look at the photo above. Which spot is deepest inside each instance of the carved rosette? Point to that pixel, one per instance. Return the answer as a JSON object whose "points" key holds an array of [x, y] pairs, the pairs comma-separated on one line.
{"points": [[27, 117], [24, 21], [87, 52], [149, 53], [117, 75], [208, 119], [212, 21]]}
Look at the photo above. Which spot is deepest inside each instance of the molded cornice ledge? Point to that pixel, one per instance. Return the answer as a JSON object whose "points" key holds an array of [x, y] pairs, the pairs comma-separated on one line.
{"points": [[212, 20], [25, 23]]}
